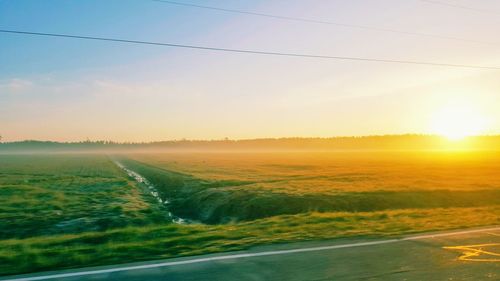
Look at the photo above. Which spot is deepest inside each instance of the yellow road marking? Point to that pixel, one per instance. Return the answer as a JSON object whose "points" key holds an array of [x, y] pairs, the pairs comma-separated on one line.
{"points": [[476, 252]]}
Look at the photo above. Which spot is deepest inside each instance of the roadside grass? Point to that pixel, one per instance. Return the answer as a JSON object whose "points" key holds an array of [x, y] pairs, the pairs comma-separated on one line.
{"points": [[51, 194], [165, 241]]}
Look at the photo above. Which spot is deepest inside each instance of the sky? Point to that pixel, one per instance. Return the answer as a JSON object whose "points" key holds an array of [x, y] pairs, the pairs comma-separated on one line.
{"points": [[70, 90]]}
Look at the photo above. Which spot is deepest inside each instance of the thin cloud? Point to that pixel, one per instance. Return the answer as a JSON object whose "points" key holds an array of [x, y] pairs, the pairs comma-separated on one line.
{"points": [[15, 86]]}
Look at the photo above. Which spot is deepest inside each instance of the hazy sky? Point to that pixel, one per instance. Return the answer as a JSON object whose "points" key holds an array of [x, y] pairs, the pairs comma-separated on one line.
{"points": [[67, 89]]}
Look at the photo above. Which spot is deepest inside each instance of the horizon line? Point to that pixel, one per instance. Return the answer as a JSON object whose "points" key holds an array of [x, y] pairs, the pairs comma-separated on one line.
{"points": [[242, 139]]}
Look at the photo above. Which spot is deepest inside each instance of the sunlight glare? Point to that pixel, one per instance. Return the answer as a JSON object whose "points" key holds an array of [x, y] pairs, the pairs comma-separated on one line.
{"points": [[457, 121]]}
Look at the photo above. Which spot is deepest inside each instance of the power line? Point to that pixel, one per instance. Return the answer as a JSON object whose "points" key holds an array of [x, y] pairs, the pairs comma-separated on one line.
{"points": [[435, 2], [345, 25], [245, 51]]}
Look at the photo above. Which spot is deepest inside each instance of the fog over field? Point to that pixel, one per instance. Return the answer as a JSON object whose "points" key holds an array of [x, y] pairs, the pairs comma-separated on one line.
{"points": [[386, 142]]}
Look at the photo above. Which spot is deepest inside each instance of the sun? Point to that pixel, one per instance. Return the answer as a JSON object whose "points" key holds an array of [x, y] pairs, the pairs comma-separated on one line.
{"points": [[456, 121]]}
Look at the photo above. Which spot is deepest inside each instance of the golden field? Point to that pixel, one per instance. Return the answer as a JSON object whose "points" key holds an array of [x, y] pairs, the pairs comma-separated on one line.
{"points": [[333, 172]]}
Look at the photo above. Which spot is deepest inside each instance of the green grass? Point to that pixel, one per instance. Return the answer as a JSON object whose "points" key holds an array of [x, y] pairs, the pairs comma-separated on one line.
{"points": [[165, 241], [44, 194]]}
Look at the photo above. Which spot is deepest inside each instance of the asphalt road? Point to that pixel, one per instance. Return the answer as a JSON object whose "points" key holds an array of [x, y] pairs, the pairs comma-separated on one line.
{"points": [[455, 255]]}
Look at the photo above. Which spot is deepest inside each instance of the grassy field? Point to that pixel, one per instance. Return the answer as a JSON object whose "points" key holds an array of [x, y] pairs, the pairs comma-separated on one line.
{"points": [[333, 172], [223, 187], [44, 194], [63, 211]]}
